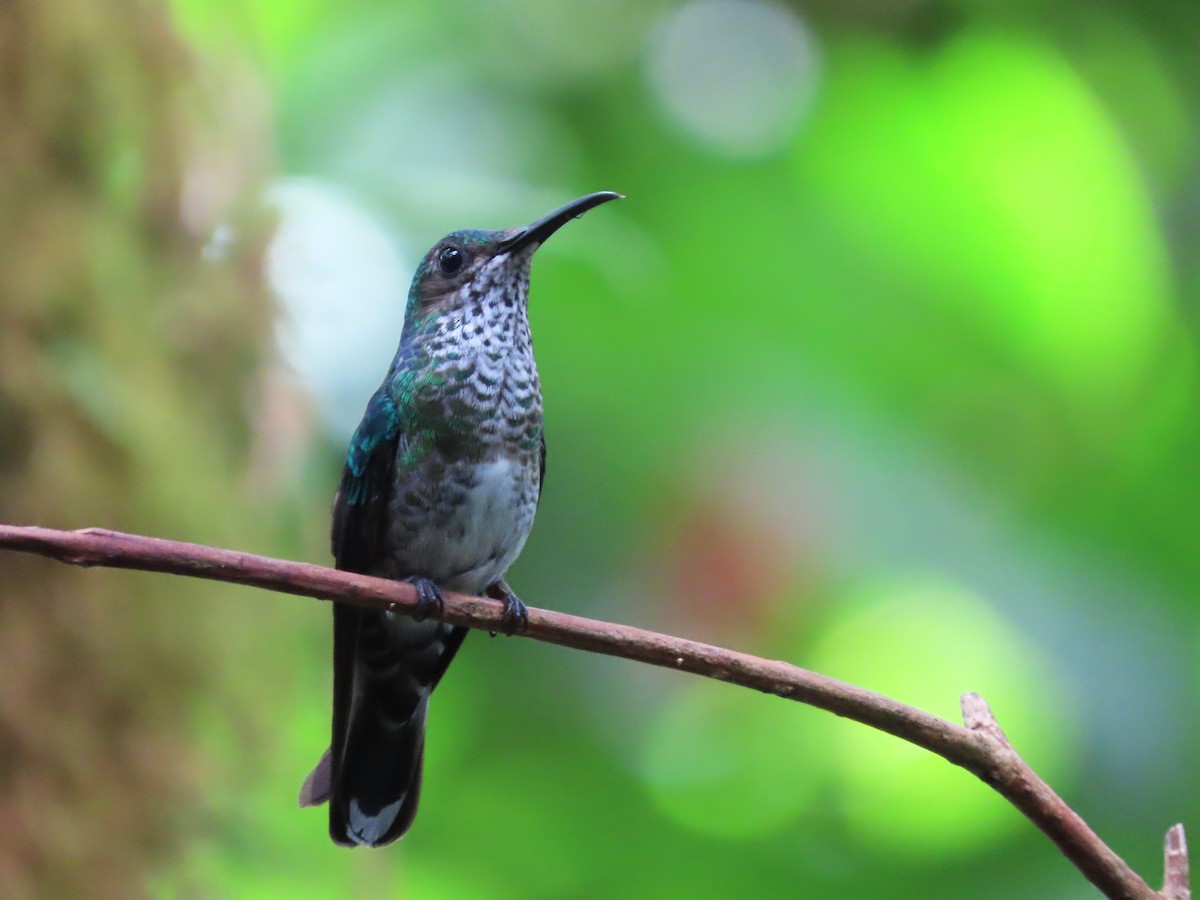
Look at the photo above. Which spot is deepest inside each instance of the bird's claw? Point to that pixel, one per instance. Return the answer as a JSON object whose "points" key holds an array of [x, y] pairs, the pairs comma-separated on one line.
{"points": [[429, 599], [515, 615]]}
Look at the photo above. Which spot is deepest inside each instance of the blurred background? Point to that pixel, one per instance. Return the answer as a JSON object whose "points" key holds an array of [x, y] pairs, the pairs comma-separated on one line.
{"points": [[886, 366]]}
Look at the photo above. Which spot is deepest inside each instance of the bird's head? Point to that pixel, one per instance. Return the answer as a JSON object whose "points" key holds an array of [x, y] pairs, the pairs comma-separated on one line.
{"points": [[467, 270]]}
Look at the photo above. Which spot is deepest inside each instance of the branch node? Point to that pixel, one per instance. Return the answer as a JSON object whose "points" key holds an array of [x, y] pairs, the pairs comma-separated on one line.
{"points": [[978, 717], [102, 532], [1175, 865]]}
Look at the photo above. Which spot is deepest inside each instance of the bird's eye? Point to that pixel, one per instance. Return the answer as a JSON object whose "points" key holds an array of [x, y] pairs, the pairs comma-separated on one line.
{"points": [[451, 261]]}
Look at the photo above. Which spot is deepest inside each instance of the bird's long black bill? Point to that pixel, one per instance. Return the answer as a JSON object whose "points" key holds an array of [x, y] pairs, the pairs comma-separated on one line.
{"points": [[544, 227]]}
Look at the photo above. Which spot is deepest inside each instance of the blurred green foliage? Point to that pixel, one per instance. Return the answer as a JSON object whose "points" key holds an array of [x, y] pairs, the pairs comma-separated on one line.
{"points": [[886, 367]]}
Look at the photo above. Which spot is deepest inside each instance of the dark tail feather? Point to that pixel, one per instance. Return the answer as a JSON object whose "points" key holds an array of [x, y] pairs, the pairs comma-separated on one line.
{"points": [[375, 791], [384, 669], [318, 784]]}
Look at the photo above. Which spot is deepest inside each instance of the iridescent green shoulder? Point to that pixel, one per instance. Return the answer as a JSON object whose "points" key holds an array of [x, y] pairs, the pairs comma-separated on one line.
{"points": [[379, 425]]}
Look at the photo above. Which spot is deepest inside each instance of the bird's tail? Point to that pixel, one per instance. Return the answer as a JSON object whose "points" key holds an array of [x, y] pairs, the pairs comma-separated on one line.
{"points": [[378, 782], [384, 669], [385, 666], [374, 798]]}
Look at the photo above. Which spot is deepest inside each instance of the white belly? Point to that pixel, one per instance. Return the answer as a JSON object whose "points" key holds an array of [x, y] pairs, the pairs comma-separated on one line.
{"points": [[477, 539]]}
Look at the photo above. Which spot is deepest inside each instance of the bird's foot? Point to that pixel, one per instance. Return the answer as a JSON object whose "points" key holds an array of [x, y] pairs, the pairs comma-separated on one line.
{"points": [[429, 599], [515, 616]]}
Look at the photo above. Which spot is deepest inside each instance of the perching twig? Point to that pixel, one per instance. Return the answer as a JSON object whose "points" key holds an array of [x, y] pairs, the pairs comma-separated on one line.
{"points": [[980, 747], [1175, 866]]}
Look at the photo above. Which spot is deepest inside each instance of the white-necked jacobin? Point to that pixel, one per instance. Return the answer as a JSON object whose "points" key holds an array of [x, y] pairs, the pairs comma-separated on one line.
{"points": [[441, 483]]}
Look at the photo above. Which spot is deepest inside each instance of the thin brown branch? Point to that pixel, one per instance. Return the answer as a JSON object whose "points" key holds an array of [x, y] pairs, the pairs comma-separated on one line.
{"points": [[980, 747]]}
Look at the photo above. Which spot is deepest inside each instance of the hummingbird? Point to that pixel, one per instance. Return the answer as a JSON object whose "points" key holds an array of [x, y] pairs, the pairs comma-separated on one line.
{"points": [[440, 486]]}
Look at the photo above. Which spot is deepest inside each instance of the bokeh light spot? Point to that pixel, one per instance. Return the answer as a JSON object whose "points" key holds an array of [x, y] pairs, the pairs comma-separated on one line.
{"points": [[730, 764], [738, 76], [990, 170], [925, 642], [343, 285]]}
